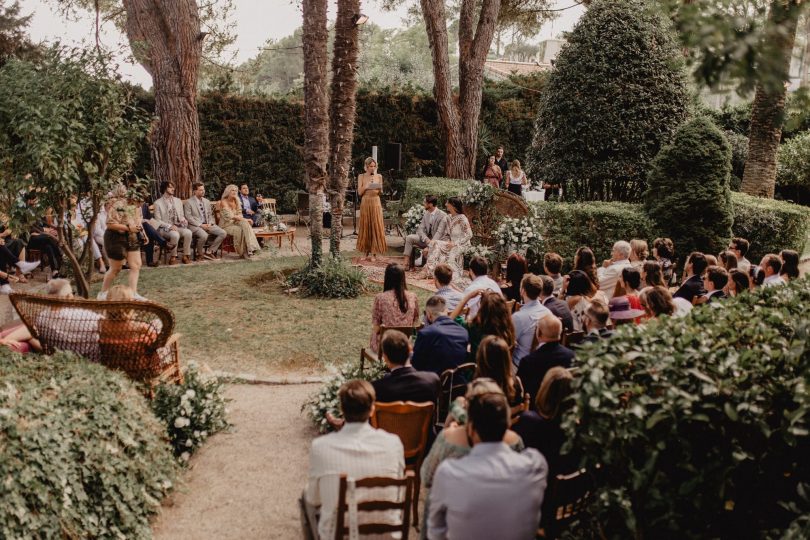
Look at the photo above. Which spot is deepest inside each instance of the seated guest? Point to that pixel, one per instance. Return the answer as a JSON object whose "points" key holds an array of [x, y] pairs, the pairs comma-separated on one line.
{"points": [[652, 275], [579, 293], [17, 338], [692, 287], [442, 344], [770, 266], [585, 260], [452, 441], [739, 246], [556, 306], [69, 328], [516, 268], [595, 322], [714, 281], [250, 206], [8, 261], [711, 260], [664, 252], [442, 276], [172, 222], [492, 319], [638, 253], [236, 225], [622, 312], [611, 269], [549, 353], [494, 361], [43, 238], [525, 320], [150, 228], [728, 260], [358, 450], [395, 306], [479, 270], [403, 383], [552, 266], [201, 222], [790, 264], [493, 492], [738, 282], [657, 301]]}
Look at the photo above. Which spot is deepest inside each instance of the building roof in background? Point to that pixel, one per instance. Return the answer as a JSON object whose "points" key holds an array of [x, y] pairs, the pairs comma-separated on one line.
{"points": [[502, 69]]}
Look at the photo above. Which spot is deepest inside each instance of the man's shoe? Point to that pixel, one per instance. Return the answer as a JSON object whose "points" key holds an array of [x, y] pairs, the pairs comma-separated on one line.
{"points": [[173, 261], [209, 257], [26, 267], [186, 260]]}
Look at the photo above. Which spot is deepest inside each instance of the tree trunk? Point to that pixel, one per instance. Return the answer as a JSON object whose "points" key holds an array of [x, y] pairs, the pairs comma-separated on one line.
{"points": [[316, 121], [166, 39], [66, 244], [459, 122], [767, 111], [342, 107]]}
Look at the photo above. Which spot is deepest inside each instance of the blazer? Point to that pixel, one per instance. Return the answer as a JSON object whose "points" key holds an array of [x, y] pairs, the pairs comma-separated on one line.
{"points": [[691, 288], [254, 204], [162, 211], [610, 275], [593, 337], [440, 346], [562, 311], [407, 384], [438, 228], [718, 295], [534, 366], [192, 209]]}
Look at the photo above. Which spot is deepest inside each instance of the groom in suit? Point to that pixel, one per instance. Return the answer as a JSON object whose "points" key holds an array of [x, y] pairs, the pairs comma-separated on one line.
{"points": [[201, 222], [434, 225]]}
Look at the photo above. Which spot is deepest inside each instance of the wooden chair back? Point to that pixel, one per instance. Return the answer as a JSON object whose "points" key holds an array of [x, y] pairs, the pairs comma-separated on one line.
{"points": [[371, 356], [403, 527], [453, 384], [569, 496], [269, 204], [134, 337], [570, 339], [407, 420]]}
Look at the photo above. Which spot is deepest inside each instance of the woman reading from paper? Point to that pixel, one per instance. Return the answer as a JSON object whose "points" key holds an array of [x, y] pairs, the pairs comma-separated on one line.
{"points": [[371, 228]]}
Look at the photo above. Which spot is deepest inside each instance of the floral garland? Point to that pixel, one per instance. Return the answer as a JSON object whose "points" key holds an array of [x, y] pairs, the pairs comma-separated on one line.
{"points": [[517, 234], [478, 193], [413, 218]]}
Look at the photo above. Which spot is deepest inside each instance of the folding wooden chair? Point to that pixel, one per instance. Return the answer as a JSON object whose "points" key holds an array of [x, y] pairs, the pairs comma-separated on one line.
{"points": [[568, 497], [341, 525], [453, 384]]}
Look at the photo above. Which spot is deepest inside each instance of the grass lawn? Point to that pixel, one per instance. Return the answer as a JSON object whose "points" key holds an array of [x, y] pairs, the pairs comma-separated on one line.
{"points": [[236, 317]]}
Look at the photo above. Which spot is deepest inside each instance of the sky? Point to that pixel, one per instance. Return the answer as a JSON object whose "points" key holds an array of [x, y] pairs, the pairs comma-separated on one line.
{"points": [[256, 22]]}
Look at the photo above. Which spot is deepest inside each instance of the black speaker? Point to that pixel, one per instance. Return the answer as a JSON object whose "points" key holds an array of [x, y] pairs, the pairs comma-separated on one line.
{"points": [[393, 156]]}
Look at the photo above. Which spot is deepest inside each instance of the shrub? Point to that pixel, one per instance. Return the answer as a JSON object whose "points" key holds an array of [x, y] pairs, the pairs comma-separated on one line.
{"points": [[615, 96], [81, 454], [793, 164], [739, 155], [701, 425], [770, 225], [191, 411], [688, 194], [332, 279], [443, 188]]}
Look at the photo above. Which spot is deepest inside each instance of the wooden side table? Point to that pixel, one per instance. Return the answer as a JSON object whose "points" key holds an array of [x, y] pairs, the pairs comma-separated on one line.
{"points": [[278, 236]]}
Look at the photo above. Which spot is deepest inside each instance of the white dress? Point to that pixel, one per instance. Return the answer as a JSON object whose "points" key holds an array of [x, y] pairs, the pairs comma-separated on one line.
{"points": [[439, 251]]}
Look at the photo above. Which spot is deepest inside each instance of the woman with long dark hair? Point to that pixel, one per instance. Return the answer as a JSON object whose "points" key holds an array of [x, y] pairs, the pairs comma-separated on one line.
{"points": [[738, 282], [579, 292], [494, 360], [585, 260], [790, 264], [492, 319], [395, 306], [652, 275], [516, 268]]}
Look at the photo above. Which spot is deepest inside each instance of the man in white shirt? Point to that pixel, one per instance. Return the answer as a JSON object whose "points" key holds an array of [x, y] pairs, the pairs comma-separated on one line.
{"points": [[357, 450], [433, 225], [739, 246], [525, 320], [172, 223], [200, 218], [611, 270], [770, 265], [480, 280], [493, 492]]}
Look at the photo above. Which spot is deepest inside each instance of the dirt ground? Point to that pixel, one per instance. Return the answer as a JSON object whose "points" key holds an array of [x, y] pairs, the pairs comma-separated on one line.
{"points": [[245, 484]]}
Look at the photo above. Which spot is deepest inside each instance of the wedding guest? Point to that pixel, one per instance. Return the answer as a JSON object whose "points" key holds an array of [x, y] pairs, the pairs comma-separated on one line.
{"points": [[371, 226], [18, 339], [739, 246], [150, 228], [790, 265], [552, 266], [357, 450], [236, 225], [493, 174], [172, 222], [580, 292], [711, 260], [652, 275], [549, 353], [200, 218], [621, 312], [69, 328], [585, 260], [479, 273], [664, 252], [492, 318], [434, 224], [657, 301], [692, 286], [728, 260], [395, 306], [442, 344], [43, 238], [500, 159], [516, 179], [249, 206], [738, 282], [770, 266], [516, 268], [8, 261], [404, 382], [595, 322], [611, 269], [558, 307], [442, 276], [638, 253], [494, 361], [525, 321], [714, 281], [122, 242]]}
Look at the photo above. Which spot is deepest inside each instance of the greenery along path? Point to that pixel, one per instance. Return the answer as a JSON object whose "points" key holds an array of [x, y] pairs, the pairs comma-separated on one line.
{"points": [[236, 317]]}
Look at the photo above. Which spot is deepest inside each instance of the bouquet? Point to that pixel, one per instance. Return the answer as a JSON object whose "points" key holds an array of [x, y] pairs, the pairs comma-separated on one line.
{"points": [[413, 218], [478, 193], [517, 234], [472, 251]]}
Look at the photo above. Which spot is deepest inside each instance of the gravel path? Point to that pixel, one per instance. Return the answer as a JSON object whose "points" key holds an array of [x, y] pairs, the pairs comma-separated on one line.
{"points": [[245, 484]]}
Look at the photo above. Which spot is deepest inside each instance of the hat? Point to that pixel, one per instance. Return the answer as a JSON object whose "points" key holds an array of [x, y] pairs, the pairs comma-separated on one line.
{"points": [[620, 309]]}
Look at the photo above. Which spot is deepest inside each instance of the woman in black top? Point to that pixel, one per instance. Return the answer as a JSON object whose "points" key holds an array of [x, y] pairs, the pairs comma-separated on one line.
{"points": [[516, 268]]}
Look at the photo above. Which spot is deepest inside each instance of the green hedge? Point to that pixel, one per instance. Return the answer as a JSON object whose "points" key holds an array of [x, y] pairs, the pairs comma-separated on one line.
{"points": [[770, 225], [701, 425], [81, 454], [443, 188]]}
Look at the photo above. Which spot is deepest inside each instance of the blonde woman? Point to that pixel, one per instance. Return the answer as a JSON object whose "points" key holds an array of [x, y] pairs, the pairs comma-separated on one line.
{"points": [[371, 227], [122, 240], [230, 219], [516, 179], [638, 253]]}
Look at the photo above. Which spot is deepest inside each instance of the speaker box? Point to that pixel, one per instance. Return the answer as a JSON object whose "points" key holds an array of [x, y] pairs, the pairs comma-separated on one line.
{"points": [[393, 156]]}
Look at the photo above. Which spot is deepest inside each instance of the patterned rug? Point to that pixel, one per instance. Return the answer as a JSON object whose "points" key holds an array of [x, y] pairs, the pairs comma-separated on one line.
{"points": [[375, 270]]}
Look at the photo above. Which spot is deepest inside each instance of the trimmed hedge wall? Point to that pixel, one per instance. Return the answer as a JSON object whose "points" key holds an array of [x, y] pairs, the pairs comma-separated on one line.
{"points": [[81, 454], [443, 188], [770, 225]]}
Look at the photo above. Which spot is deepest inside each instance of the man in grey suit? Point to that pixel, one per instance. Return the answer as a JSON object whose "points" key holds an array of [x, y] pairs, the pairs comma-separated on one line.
{"points": [[201, 222], [434, 225], [172, 223]]}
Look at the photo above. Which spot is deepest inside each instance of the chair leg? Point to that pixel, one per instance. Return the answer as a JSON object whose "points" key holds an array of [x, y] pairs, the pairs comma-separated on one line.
{"points": [[417, 487]]}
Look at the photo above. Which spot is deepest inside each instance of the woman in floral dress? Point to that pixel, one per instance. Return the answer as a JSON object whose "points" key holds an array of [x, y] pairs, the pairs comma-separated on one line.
{"points": [[395, 306], [450, 252]]}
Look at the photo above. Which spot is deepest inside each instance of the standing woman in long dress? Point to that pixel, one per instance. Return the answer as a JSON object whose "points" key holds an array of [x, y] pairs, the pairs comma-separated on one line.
{"points": [[371, 228]]}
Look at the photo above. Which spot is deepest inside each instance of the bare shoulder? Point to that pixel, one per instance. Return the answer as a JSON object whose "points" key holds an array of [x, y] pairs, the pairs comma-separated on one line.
{"points": [[456, 435]]}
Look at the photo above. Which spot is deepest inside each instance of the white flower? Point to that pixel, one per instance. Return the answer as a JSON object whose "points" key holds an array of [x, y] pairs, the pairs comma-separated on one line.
{"points": [[181, 422], [190, 393], [189, 443], [196, 434], [184, 456]]}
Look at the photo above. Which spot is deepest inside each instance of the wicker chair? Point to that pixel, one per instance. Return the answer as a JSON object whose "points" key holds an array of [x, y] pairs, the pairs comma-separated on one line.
{"points": [[134, 337], [341, 527], [411, 423]]}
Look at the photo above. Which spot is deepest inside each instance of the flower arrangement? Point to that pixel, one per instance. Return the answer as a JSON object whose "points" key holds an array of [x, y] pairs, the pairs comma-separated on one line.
{"points": [[269, 218], [192, 411], [478, 193], [471, 251], [517, 234], [326, 399], [413, 218]]}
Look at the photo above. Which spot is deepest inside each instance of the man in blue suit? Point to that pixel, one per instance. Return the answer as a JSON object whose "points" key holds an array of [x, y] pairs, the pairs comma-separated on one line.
{"points": [[442, 344], [250, 206]]}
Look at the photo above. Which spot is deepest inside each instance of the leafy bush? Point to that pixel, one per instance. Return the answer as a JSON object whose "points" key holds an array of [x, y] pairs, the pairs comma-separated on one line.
{"points": [[701, 425], [793, 164], [332, 279], [688, 194], [443, 188], [770, 225], [192, 411], [81, 454], [615, 96], [739, 155]]}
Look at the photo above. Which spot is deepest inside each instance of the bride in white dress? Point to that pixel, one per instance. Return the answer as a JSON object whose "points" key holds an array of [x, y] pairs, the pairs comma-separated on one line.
{"points": [[450, 252]]}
